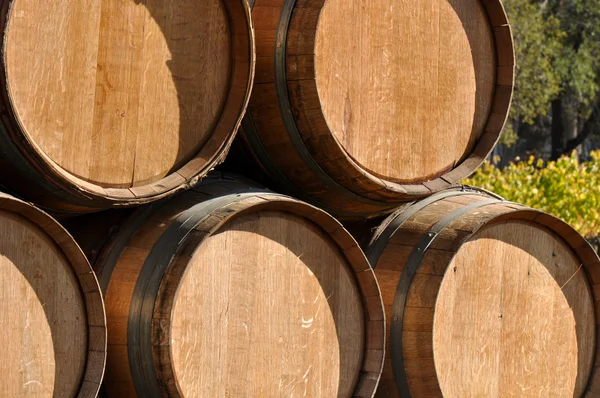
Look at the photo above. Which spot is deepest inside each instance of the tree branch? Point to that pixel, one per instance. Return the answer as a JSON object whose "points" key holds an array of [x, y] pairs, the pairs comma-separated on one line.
{"points": [[588, 128]]}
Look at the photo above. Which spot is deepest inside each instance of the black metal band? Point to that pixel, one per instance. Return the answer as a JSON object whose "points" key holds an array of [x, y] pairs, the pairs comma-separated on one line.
{"points": [[277, 175], [265, 160], [139, 328], [410, 268], [377, 246], [379, 242], [286, 110], [131, 225]]}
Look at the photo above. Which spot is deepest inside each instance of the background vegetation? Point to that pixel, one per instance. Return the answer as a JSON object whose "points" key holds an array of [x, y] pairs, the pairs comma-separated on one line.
{"points": [[556, 107], [548, 157], [566, 188]]}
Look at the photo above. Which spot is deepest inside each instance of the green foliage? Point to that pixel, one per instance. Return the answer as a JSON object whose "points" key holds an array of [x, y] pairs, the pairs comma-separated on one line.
{"points": [[565, 188], [557, 45], [538, 48], [577, 64], [509, 136]]}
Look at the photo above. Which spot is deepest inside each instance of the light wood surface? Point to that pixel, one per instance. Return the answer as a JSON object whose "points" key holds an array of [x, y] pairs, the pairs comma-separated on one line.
{"points": [[377, 103], [42, 313], [406, 87], [265, 296], [514, 317], [503, 302], [278, 306], [120, 102], [51, 308], [53, 334], [118, 80]]}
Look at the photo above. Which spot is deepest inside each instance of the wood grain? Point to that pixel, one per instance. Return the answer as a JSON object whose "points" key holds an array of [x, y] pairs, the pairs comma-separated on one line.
{"points": [[378, 102], [502, 302], [396, 76], [118, 80], [121, 103], [44, 331], [278, 307], [516, 308], [266, 296]]}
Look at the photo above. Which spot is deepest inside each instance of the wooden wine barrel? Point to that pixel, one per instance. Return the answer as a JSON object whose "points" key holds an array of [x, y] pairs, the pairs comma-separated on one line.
{"points": [[359, 106], [485, 298], [118, 103], [53, 327], [230, 290]]}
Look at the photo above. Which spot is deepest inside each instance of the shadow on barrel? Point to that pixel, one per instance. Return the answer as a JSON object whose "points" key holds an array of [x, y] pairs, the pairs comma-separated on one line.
{"points": [[484, 61], [198, 60], [65, 320], [569, 293], [334, 304]]}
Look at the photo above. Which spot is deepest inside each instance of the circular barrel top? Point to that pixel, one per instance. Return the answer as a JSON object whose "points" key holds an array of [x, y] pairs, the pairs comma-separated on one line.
{"points": [[42, 312], [51, 309], [406, 87], [514, 316], [486, 297], [121, 94], [268, 306], [249, 293]]}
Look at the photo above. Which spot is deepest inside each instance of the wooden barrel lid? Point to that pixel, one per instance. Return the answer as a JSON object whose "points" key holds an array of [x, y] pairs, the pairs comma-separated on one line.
{"points": [[407, 88], [51, 312], [235, 290], [379, 103], [128, 99], [514, 314], [278, 305], [486, 297]]}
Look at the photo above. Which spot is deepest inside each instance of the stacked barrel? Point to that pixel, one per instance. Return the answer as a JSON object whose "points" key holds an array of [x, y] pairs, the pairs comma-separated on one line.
{"points": [[122, 102], [53, 324], [484, 297], [359, 107], [232, 290], [204, 283], [103, 104]]}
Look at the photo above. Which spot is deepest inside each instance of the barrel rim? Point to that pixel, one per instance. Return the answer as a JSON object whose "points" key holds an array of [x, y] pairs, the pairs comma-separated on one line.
{"points": [[580, 247], [372, 305], [212, 153], [358, 181], [252, 139], [253, 201], [90, 289], [489, 136]]}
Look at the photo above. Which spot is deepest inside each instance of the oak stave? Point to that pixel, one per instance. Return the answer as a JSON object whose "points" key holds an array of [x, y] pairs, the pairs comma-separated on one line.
{"points": [[329, 124], [121, 103], [159, 248], [51, 309], [485, 297]]}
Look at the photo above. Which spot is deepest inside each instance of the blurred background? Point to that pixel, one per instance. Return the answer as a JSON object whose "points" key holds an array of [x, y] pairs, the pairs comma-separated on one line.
{"points": [[549, 156]]}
